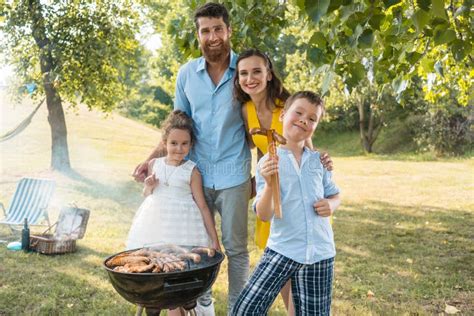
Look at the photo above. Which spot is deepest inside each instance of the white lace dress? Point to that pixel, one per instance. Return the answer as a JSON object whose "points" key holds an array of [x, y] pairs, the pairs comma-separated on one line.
{"points": [[169, 215]]}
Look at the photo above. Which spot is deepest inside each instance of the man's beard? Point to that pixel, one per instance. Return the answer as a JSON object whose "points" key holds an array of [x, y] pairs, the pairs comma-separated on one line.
{"points": [[216, 55]]}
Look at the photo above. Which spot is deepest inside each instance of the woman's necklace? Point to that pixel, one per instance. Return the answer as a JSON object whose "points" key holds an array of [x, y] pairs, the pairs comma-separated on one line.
{"points": [[168, 177]]}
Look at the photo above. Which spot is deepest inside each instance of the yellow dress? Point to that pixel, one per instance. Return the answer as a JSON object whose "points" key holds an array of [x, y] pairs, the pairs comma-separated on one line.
{"points": [[262, 230]]}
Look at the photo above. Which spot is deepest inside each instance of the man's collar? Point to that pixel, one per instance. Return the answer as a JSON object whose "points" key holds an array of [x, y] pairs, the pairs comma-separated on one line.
{"points": [[202, 62], [233, 60]]}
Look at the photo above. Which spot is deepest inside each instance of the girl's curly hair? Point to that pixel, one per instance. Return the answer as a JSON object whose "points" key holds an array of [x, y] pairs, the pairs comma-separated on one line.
{"points": [[180, 120]]}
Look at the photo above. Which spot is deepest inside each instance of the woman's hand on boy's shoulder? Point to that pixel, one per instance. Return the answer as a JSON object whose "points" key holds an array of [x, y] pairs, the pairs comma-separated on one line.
{"points": [[326, 161]]}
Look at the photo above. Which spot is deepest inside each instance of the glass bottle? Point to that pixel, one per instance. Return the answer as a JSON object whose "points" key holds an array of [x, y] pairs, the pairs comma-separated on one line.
{"points": [[25, 236]]}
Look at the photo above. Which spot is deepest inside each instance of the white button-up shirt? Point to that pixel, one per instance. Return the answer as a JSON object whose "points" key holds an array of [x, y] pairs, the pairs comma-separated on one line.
{"points": [[301, 234]]}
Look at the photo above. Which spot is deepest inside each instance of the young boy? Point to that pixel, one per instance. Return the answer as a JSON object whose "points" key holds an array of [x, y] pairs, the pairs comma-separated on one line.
{"points": [[301, 243]]}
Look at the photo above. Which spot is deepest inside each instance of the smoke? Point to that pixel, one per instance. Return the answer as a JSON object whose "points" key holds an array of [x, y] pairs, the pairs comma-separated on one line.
{"points": [[104, 151]]}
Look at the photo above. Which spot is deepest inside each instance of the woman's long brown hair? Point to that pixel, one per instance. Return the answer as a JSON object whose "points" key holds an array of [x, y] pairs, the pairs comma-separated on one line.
{"points": [[275, 88]]}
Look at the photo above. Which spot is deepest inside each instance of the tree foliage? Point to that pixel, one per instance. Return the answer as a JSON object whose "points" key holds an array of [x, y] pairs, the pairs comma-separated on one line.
{"points": [[93, 47], [75, 51], [152, 99], [392, 44], [397, 35]]}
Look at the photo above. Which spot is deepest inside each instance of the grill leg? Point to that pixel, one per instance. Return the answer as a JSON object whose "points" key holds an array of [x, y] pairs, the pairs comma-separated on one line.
{"points": [[153, 311]]}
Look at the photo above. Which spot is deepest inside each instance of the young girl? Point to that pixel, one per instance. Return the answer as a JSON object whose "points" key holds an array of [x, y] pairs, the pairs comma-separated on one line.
{"points": [[301, 245], [174, 211]]}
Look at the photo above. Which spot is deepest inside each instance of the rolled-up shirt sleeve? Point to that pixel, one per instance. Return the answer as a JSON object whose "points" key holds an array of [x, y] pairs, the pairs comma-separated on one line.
{"points": [[330, 187]]}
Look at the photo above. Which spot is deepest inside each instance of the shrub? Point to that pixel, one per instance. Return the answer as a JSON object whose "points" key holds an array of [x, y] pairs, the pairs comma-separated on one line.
{"points": [[399, 136], [151, 105], [340, 118], [446, 131]]}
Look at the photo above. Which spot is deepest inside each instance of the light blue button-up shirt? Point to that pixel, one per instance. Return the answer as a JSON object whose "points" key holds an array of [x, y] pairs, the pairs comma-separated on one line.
{"points": [[221, 151], [301, 234]]}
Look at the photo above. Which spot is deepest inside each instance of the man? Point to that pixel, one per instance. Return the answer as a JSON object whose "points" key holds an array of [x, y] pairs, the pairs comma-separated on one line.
{"points": [[204, 92]]}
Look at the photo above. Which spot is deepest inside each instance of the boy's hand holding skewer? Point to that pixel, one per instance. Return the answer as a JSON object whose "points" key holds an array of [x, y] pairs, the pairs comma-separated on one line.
{"points": [[272, 138], [265, 206], [269, 168]]}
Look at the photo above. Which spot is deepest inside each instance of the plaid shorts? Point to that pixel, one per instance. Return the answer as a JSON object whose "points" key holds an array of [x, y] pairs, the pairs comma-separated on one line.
{"points": [[311, 285]]}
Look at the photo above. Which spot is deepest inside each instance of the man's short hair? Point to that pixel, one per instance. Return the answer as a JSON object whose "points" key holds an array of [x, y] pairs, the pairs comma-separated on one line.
{"points": [[211, 10]]}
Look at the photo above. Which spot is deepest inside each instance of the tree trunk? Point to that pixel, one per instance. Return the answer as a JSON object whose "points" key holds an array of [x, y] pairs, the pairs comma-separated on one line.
{"points": [[59, 147], [368, 128], [362, 129], [375, 125]]}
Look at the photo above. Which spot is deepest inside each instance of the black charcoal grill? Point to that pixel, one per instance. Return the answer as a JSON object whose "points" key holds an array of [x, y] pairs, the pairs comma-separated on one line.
{"points": [[157, 291]]}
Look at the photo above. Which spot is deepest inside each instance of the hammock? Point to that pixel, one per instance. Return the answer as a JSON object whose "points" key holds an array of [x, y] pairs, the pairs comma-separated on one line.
{"points": [[17, 130]]}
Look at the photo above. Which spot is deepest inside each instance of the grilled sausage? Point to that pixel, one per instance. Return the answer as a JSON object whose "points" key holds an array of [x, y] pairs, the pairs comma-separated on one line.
{"points": [[121, 269], [196, 258], [123, 260], [210, 252], [167, 267], [139, 268], [178, 265], [158, 264]]}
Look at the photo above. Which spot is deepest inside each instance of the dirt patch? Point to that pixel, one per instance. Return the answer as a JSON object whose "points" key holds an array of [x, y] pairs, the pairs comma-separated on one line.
{"points": [[464, 302]]}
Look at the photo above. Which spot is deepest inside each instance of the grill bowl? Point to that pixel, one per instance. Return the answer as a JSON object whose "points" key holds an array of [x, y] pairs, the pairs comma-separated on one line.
{"points": [[166, 290]]}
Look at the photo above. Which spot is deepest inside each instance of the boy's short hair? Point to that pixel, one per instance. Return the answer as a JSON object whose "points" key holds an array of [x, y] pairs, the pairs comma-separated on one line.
{"points": [[211, 10], [312, 97]]}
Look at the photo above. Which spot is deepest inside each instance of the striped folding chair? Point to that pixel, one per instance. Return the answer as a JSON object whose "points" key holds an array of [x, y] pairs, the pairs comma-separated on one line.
{"points": [[30, 201]]}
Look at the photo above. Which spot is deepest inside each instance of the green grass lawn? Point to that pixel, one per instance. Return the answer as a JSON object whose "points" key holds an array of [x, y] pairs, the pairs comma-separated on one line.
{"points": [[404, 231]]}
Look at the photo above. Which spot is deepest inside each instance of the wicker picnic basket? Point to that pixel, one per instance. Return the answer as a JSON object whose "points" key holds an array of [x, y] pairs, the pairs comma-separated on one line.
{"points": [[48, 245], [70, 226]]}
